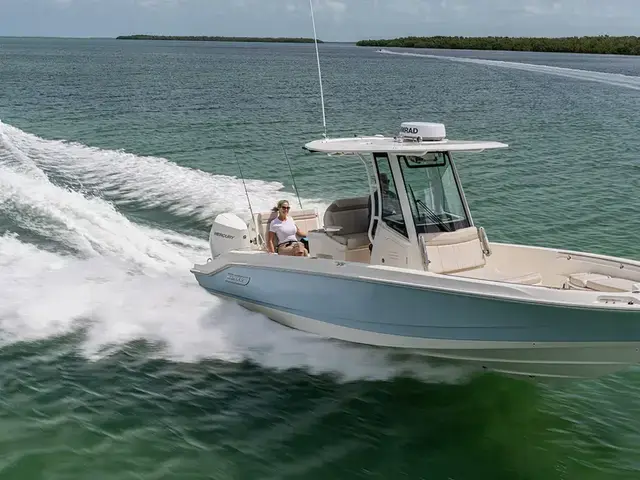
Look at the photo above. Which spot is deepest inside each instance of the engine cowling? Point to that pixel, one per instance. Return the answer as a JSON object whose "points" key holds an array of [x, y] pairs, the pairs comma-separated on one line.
{"points": [[228, 232]]}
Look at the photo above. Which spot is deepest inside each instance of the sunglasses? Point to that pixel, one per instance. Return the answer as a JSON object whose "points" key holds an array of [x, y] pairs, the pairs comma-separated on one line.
{"points": [[285, 208]]}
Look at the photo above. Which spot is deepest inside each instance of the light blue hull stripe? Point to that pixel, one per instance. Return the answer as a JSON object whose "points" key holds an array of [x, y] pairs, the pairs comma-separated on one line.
{"points": [[415, 312]]}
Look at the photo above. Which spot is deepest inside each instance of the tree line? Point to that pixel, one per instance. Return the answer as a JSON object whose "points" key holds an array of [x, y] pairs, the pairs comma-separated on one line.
{"points": [[605, 44], [203, 38]]}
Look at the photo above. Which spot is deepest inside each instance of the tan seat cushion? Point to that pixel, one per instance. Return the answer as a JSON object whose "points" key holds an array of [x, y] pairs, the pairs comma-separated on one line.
{"points": [[353, 240], [450, 252], [352, 214], [449, 238]]}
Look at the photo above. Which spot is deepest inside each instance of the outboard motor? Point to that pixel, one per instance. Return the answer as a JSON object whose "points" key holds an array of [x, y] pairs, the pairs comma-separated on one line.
{"points": [[228, 232]]}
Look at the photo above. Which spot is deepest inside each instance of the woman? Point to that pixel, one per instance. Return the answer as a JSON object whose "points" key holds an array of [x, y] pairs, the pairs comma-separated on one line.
{"points": [[283, 231]]}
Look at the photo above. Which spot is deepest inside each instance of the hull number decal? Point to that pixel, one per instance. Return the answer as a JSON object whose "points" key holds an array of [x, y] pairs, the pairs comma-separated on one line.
{"points": [[237, 279]]}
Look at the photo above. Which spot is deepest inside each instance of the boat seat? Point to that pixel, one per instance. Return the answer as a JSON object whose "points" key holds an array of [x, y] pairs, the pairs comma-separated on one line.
{"points": [[353, 240], [306, 220], [533, 278], [352, 216], [456, 251], [602, 283]]}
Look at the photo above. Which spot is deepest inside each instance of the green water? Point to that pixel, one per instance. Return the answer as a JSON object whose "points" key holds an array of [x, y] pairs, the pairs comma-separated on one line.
{"points": [[115, 156]]}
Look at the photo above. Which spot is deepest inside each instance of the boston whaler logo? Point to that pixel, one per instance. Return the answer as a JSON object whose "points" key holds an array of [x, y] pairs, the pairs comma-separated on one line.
{"points": [[411, 130], [237, 279]]}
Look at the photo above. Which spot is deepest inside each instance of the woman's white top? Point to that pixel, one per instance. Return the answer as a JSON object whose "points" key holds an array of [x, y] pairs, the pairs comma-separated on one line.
{"points": [[284, 230]]}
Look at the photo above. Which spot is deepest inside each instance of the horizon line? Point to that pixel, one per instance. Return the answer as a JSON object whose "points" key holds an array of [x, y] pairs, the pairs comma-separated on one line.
{"points": [[114, 37], [107, 37]]}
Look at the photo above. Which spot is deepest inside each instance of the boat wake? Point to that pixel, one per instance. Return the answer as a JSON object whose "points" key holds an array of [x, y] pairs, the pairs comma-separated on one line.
{"points": [[46, 295], [146, 182], [71, 261], [615, 79]]}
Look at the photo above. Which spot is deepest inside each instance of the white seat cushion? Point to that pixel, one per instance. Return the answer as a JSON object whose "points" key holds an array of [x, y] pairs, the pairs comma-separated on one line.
{"points": [[484, 273], [611, 284], [533, 278], [580, 279], [602, 283]]}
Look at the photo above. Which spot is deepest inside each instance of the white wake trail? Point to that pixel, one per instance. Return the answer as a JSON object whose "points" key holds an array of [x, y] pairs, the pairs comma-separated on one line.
{"points": [[89, 226], [121, 281], [615, 79], [45, 295], [149, 182]]}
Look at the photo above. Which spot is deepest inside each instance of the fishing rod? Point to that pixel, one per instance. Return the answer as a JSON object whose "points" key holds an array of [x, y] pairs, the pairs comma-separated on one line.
{"points": [[253, 218]]}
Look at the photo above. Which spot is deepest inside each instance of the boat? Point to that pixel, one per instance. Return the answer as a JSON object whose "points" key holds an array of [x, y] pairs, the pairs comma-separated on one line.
{"points": [[419, 275]]}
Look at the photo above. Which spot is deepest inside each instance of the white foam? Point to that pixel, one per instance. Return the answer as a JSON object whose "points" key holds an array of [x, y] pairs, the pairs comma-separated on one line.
{"points": [[124, 282], [616, 79], [44, 295], [148, 181], [90, 226]]}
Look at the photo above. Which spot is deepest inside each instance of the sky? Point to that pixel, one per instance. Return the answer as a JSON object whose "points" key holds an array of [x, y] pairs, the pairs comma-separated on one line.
{"points": [[336, 20]]}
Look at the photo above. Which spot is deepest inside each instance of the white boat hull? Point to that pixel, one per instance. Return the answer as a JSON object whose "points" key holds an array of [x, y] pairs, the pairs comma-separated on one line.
{"points": [[514, 329], [548, 360]]}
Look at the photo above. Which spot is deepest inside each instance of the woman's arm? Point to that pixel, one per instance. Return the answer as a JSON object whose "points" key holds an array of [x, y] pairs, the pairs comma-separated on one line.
{"points": [[300, 233], [270, 247]]}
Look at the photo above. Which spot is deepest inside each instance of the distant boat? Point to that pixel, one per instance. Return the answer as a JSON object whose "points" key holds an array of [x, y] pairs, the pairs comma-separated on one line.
{"points": [[432, 280]]}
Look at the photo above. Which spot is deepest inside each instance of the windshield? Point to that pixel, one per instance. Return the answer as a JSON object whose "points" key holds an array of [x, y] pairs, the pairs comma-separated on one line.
{"points": [[436, 202]]}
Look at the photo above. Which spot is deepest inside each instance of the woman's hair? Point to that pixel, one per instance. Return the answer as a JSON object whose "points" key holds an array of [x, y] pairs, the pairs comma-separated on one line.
{"points": [[280, 203]]}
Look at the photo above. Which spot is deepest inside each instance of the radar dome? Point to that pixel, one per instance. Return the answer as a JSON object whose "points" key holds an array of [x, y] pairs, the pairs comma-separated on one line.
{"points": [[423, 131]]}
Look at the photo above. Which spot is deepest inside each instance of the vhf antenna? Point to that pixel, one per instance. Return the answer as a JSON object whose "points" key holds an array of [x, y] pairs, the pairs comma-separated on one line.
{"points": [[315, 39]]}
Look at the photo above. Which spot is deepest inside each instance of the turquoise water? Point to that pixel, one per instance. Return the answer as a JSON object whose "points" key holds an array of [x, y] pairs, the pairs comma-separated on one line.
{"points": [[115, 156]]}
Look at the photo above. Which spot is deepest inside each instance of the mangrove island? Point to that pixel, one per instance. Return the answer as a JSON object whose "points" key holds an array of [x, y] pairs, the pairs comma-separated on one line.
{"points": [[218, 39], [604, 44]]}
